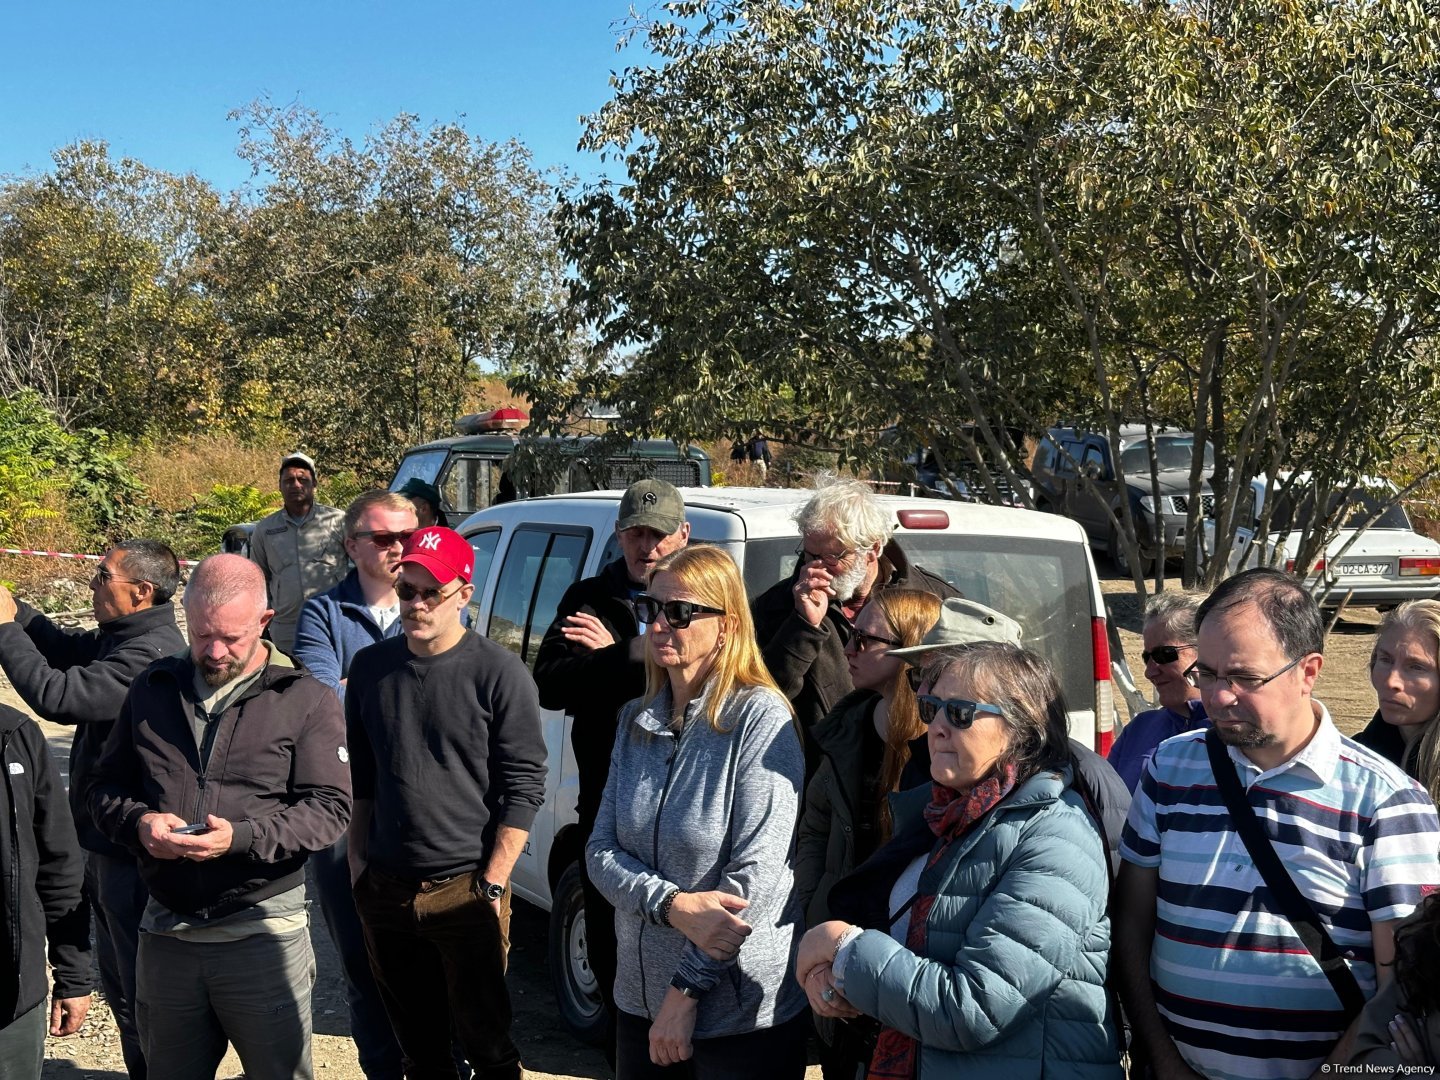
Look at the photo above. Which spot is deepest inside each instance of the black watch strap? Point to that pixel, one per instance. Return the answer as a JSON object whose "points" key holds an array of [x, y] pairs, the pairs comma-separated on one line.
{"points": [[692, 992]]}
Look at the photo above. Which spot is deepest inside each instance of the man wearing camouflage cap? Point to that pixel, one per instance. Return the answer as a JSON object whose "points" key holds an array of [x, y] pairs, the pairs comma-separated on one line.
{"points": [[592, 661]]}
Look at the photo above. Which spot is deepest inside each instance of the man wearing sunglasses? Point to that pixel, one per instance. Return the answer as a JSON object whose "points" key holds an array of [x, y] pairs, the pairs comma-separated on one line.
{"points": [[80, 678], [334, 626], [1169, 649], [592, 662], [449, 769], [802, 624], [1219, 973], [300, 548]]}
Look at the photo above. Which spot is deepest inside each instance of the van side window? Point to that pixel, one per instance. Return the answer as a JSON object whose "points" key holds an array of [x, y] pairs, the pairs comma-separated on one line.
{"points": [[540, 564], [483, 544]]}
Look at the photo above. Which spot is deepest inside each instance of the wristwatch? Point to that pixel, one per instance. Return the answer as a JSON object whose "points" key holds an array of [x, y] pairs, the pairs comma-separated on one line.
{"points": [[685, 988], [492, 891]]}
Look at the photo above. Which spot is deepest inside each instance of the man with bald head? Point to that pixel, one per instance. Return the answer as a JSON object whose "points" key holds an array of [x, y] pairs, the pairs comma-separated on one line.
{"points": [[232, 757]]}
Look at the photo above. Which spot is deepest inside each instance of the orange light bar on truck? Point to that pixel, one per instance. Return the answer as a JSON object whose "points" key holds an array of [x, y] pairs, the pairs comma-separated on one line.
{"points": [[1419, 567], [1104, 692], [923, 519]]}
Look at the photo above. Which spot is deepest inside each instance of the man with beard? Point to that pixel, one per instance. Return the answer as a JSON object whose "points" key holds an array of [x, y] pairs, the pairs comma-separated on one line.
{"points": [[233, 758], [592, 662], [1218, 970], [80, 678], [803, 623], [334, 626], [449, 773]]}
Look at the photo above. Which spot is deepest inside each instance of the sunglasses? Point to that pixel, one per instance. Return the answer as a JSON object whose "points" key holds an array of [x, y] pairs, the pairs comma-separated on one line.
{"points": [[383, 539], [864, 641], [407, 592], [106, 576], [678, 613], [915, 676], [959, 713], [1163, 654]]}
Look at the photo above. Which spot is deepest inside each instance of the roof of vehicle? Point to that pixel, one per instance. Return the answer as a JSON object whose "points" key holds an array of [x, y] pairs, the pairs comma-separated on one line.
{"points": [[504, 442], [771, 511]]}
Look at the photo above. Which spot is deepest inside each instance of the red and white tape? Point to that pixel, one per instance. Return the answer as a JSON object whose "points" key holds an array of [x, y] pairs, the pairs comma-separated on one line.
{"points": [[71, 555]]}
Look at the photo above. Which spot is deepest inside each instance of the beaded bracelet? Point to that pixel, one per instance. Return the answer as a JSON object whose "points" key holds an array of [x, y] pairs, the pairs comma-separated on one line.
{"points": [[663, 915]]}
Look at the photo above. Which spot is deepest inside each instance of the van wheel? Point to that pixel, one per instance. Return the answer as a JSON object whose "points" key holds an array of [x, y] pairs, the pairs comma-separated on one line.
{"points": [[577, 991]]}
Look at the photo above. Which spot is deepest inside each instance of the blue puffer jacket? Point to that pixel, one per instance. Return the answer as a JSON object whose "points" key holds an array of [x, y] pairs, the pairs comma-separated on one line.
{"points": [[1012, 984], [335, 625]]}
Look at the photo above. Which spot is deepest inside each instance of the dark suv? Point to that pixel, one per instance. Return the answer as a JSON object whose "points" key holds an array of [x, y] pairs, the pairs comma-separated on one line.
{"points": [[1066, 455]]}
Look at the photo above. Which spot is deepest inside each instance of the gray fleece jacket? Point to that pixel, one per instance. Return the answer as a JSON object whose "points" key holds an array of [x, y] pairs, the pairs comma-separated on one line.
{"points": [[699, 810]]}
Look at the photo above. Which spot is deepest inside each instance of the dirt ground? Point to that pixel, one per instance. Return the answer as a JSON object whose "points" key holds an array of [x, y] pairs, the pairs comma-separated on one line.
{"points": [[547, 1048]]}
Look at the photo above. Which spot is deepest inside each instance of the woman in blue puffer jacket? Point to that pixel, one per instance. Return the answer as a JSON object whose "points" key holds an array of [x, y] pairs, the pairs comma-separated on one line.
{"points": [[978, 936]]}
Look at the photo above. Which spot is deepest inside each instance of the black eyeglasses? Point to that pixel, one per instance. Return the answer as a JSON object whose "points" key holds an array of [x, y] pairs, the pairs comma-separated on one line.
{"points": [[106, 576], [959, 713], [407, 592], [1205, 679], [678, 613], [863, 640], [1163, 654], [826, 558], [382, 539]]}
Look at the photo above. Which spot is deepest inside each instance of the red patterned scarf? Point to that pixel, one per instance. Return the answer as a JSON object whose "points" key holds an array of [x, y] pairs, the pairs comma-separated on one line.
{"points": [[950, 815]]}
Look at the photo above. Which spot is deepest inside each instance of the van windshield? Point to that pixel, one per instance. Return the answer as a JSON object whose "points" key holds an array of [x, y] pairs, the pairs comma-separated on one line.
{"points": [[1043, 585]]}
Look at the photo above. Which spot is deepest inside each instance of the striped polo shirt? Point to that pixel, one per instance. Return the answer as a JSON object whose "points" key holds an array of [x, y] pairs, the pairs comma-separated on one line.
{"points": [[1237, 989]]}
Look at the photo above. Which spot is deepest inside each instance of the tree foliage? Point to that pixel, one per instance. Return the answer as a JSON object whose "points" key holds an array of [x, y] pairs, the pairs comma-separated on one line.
{"points": [[975, 217]]}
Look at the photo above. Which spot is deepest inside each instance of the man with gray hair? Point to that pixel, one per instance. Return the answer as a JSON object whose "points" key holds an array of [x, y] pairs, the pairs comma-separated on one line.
{"points": [[1168, 650], [802, 623], [230, 757], [80, 678]]}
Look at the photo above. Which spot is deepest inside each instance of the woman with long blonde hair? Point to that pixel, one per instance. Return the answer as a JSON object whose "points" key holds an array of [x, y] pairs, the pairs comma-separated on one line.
{"points": [[1405, 672], [692, 844]]}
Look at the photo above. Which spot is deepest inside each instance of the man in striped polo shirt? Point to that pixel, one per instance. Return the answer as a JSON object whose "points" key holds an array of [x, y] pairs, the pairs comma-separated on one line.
{"points": [[1216, 981]]}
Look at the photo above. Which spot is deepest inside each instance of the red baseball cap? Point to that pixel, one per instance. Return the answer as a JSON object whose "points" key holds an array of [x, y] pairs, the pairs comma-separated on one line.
{"points": [[444, 552]]}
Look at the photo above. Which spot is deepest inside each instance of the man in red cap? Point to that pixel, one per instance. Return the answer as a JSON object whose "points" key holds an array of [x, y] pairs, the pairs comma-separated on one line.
{"points": [[443, 725]]}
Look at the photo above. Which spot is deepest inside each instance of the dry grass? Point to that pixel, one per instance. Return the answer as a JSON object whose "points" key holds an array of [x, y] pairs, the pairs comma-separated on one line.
{"points": [[176, 473], [38, 576]]}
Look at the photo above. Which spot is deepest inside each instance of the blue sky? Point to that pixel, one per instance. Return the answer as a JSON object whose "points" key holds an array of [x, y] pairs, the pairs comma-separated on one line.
{"points": [[156, 79]]}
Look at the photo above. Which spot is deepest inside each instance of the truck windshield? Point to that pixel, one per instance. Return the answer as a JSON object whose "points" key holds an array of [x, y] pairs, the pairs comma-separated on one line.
{"points": [[423, 463]]}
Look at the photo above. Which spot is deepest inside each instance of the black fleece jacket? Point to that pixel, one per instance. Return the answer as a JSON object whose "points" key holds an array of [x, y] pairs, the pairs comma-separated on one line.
{"points": [[81, 677], [41, 869], [278, 771], [808, 662], [592, 684]]}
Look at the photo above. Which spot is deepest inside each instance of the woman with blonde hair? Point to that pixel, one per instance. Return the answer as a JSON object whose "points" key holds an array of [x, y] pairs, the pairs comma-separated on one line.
{"points": [[693, 841], [1405, 672], [865, 745]]}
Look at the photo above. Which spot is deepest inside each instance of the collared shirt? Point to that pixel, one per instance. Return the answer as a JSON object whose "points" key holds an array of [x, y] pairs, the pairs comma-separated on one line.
{"points": [[299, 560], [1146, 731], [1237, 989]]}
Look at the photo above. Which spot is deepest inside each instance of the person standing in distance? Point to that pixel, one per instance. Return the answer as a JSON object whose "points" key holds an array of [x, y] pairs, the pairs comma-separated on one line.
{"points": [[443, 725], [300, 548], [592, 661]]}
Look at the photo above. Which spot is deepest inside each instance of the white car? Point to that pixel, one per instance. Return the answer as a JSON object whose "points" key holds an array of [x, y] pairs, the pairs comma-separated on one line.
{"points": [[1035, 567], [1387, 563]]}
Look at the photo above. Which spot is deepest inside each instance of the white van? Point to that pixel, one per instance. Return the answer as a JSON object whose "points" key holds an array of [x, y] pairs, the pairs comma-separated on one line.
{"points": [[1034, 567]]}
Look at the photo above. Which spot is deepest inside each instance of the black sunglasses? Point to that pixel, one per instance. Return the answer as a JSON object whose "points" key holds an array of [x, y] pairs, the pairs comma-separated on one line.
{"points": [[384, 539], [407, 592], [678, 613], [1163, 654], [106, 576], [959, 713], [915, 675], [863, 640]]}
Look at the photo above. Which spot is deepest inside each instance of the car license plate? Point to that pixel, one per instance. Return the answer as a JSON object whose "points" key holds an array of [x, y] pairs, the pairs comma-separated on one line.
{"points": [[1364, 568]]}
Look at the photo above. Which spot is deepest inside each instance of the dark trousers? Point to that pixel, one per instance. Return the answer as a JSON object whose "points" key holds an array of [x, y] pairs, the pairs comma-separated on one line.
{"points": [[22, 1044], [117, 898], [439, 960], [775, 1053], [375, 1042]]}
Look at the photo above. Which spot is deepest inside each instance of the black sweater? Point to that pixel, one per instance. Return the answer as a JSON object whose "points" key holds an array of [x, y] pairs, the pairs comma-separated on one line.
{"points": [[40, 872], [430, 738], [80, 677]]}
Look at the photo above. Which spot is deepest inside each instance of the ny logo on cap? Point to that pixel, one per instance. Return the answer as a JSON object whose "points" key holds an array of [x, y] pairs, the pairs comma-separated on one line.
{"points": [[649, 498], [430, 541]]}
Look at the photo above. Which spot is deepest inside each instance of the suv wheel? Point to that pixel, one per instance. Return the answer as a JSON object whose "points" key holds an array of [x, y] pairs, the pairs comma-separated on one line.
{"points": [[1121, 559], [577, 991]]}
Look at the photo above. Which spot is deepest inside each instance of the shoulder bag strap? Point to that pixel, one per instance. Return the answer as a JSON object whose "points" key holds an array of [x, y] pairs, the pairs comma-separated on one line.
{"points": [[1283, 889]]}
